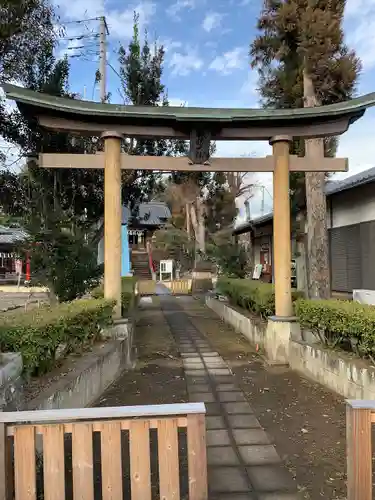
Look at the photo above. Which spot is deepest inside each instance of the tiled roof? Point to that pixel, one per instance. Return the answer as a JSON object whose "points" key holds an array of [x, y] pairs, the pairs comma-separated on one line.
{"points": [[333, 187], [9, 235], [154, 213]]}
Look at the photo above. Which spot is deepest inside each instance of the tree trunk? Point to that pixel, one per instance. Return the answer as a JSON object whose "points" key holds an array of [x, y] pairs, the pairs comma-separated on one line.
{"points": [[197, 222], [194, 223], [317, 234], [188, 223], [201, 226]]}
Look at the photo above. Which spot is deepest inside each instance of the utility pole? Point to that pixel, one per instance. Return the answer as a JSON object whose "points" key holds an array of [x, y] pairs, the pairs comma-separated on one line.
{"points": [[262, 206], [103, 57]]}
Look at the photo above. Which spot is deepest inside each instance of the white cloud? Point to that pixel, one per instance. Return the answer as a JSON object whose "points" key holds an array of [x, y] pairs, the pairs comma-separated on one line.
{"points": [[176, 8], [176, 101], [71, 48], [78, 9], [359, 27], [169, 44], [12, 153], [249, 87], [229, 61], [212, 21], [184, 64], [357, 145], [120, 22], [358, 7]]}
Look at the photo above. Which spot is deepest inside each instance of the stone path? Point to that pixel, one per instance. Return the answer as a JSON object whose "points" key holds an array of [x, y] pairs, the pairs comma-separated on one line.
{"points": [[242, 462]]}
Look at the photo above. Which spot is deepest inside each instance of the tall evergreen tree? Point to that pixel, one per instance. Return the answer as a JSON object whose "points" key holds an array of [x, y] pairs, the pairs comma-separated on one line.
{"points": [[141, 71], [78, 193], [301, 51], [24, 29]]}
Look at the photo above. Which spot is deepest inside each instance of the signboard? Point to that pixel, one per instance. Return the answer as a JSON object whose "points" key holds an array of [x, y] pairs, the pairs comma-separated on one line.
{"points": [[257, 271], [166, 267], [18, 266]]}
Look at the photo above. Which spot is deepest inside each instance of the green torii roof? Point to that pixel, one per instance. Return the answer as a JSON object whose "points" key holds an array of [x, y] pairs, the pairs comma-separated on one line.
{"points": [[187, 118]]}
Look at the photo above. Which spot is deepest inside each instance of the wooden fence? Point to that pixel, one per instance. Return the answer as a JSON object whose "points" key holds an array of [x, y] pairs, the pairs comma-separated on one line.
{"points": [[179, 287], [34, 456], [360, 415], [146, 287]]}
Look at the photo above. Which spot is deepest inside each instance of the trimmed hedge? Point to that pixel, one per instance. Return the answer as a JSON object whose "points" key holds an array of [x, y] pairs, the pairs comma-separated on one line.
{"points": [[39, 333], [340, 323], [253, 295], [127, 294]]}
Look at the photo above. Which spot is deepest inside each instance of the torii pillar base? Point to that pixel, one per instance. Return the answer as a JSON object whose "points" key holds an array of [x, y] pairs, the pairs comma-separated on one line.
{"points": [[112, 219]]}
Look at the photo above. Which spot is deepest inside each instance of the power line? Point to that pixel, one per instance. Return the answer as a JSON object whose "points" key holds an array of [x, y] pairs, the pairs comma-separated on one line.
{"points": [[79, 37], [79, 21]]}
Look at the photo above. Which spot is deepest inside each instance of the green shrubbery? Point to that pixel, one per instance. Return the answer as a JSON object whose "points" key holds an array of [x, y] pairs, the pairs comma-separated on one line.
{"points": [[38, 333], [342, 323], [127, 294], [257, 297], [336, 323]]}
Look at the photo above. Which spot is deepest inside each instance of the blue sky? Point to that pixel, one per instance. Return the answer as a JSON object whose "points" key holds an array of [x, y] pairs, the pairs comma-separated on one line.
{"points": [[207, 61]]}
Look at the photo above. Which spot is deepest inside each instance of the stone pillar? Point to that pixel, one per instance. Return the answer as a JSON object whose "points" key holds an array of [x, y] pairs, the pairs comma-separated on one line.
{"points": [[112, 218], [282, 253]]}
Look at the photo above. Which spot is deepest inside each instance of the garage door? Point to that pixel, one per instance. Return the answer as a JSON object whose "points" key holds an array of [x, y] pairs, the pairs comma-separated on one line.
{"points": [[345, 252]]}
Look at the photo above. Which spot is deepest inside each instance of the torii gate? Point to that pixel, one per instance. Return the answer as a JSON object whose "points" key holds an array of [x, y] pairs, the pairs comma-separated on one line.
{"points": [[199, 125]]}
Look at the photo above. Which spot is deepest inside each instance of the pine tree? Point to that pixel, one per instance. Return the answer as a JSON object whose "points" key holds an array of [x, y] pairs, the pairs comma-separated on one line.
{"points": [[301, 54], [141, 70]]}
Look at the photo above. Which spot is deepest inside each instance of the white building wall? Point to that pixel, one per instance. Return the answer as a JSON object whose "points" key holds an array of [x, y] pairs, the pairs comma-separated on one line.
{"points": [[352, 206]]}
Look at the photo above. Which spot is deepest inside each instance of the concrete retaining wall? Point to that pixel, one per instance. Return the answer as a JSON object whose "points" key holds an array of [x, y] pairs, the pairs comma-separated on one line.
{"points": [[253, 329], [10, 379], [85, 379], [350, 377]]}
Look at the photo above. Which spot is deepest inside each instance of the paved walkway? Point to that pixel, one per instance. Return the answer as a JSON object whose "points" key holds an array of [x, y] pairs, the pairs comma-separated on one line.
{"points": [[242, 462]]}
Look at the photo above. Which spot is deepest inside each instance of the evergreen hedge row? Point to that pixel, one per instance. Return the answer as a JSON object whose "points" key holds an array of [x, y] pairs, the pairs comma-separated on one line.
{"points": [[341, 323], [39, 333], [127, 294], [336, 323], [253, 295]]}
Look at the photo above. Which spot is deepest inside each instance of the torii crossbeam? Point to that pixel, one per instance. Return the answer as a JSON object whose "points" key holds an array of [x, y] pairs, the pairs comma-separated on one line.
{"points": [[183, 163], [199, 126]]}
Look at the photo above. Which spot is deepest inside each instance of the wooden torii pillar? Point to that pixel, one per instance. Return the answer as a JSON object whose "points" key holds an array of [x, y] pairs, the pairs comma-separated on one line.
{"points": [[112, 218], [282, 254]]}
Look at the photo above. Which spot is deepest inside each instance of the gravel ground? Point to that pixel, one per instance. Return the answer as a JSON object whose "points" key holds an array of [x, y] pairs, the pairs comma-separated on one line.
{"points": [[158, 377]]}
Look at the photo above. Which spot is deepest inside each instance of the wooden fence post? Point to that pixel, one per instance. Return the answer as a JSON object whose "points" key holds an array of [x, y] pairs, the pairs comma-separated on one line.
{"points": [[197, 460], [358, 452], [3, 462]]}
